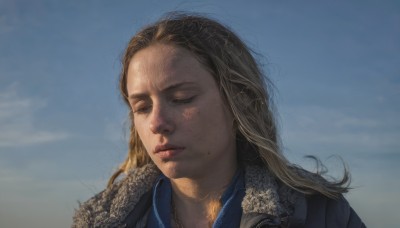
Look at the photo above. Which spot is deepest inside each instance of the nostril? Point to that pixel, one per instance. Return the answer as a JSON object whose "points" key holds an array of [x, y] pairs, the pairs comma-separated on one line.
{"points": [[161, 125], [162, 128]]}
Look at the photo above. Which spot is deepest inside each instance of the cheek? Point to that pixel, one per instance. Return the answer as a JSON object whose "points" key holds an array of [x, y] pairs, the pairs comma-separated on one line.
{"points": [[140, 129], [221, 121], [190, 114], [190, 122], [203, 123]]}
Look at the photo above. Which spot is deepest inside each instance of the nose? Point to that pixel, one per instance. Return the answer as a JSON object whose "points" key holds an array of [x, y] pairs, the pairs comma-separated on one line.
{"points": [[161, 120]]}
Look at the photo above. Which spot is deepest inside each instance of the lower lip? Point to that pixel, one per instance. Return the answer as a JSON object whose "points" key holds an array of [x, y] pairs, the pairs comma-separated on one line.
{"points": [[168, 154]]}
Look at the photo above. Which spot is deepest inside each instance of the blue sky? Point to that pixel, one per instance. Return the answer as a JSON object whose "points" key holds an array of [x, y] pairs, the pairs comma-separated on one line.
{"points": [[335, 64]]}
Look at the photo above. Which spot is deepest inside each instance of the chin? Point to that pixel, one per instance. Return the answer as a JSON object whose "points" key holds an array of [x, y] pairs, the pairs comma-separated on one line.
{"points": [[175, 171]]}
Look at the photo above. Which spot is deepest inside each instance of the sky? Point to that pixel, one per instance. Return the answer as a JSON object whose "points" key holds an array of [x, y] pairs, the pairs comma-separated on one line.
{"points": [[335, 66]]}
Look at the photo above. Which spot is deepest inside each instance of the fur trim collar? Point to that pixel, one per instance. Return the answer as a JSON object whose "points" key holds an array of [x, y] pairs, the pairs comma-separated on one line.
{"points": [[111, 206], [261, 192]]}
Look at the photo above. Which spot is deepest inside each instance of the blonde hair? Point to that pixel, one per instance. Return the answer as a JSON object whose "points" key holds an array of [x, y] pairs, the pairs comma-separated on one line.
{"points": [[213, 208], [245, 89]]}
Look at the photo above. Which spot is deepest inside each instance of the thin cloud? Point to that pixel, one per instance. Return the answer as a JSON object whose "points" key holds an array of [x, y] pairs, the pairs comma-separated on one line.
{"points": [[24, 190], [17, 121], [318, 125], [9, 17]]}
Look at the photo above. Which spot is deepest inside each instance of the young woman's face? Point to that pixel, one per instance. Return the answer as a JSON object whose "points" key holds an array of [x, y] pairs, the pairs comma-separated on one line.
{"points": [[179, 113]]}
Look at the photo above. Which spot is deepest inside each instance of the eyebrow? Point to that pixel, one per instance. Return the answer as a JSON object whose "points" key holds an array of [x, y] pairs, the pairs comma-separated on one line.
{"points": [[169, 88]]}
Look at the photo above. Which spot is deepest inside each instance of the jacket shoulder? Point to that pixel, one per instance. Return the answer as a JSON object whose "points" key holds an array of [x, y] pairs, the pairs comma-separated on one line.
{"points": [[96, 208], [326, 212], [317, 210], [112, 205]]}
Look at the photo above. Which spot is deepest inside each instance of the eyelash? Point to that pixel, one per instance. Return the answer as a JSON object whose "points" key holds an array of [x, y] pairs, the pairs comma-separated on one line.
{"points": [[183, 101], [142, 110], [175, 101]]}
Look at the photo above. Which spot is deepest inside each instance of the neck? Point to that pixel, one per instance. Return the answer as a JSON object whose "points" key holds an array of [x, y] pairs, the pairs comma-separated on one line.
{"points": [[200, 188], [192, 197]]}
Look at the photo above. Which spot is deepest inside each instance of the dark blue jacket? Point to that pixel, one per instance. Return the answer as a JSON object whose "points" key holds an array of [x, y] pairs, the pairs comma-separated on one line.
{"points": [[312, 211]]}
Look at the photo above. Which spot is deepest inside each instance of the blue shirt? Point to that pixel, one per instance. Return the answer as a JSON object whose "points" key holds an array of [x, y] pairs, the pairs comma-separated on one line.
{"points": [[229, 215]]}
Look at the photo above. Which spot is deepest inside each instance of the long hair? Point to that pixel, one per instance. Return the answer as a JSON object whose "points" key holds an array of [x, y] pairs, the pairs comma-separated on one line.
{"points": [[244, 87]]}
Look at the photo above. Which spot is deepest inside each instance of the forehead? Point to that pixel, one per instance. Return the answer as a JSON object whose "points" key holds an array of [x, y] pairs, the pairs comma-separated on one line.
{"points": [[159, 65], [160, 57]]}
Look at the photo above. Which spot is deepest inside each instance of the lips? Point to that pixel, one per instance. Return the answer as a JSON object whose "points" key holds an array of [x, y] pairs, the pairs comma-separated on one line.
{"points": [[166, 147], [167, 151]]}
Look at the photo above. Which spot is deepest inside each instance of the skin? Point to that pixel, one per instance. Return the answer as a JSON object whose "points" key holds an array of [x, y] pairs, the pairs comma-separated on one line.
{"points": [[176, 101]]}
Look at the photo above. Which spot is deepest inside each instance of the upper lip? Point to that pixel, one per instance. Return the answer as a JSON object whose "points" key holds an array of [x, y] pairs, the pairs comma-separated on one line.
{"points": [[167, 146]]}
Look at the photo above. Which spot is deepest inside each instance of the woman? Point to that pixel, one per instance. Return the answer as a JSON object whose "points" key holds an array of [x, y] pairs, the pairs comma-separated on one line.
{"points": [[203, 147]]}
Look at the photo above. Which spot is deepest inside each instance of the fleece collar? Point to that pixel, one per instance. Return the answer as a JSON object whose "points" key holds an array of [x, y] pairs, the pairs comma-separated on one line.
{"points": [[112, 206]]}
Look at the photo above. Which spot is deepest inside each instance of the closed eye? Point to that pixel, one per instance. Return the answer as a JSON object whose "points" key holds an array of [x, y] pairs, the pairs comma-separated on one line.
{"points": [[183, 100], [142, 110], [141, 107]]}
